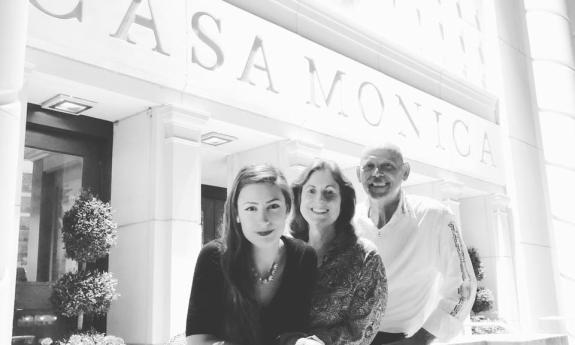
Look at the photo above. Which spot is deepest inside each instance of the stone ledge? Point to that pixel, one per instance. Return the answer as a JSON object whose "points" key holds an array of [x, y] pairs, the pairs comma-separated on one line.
{"points": [[510, 339]]}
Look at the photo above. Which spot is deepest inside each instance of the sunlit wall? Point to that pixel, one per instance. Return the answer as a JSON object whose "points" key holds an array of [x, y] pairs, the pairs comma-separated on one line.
{"points": [[549, 26]]}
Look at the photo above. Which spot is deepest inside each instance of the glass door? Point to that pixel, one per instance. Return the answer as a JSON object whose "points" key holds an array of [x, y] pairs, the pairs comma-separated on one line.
{"points": [[50, 183], [62, 155]]}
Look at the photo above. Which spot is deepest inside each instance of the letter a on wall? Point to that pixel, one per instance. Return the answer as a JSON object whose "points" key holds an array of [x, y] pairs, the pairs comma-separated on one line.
{"points": [[132, 17], [257, 46]]}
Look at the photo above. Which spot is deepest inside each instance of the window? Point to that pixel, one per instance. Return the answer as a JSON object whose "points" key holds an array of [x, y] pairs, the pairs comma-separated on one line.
{"points": [[50, 182]]}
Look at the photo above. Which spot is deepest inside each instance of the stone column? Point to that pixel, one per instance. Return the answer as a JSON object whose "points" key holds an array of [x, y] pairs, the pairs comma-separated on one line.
{"points": [[553, 66], [13, 29], [524, 163], [156, 192], [503, 264], [486, 221]]}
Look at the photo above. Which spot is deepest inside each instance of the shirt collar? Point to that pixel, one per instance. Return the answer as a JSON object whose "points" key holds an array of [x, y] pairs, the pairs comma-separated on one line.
{"points": [[402, 203], [402, 208]]}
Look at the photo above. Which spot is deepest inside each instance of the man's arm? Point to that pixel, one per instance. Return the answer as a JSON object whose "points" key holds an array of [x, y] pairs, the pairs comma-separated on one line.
{"points": [[457, 292], [421, 337]]}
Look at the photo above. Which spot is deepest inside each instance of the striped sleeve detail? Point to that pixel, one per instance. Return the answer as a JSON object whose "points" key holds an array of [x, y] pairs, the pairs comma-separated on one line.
{"points": [[462, 291]]}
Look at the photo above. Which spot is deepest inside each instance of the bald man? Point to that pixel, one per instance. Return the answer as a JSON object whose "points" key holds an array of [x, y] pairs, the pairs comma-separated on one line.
{"points": [[431, 285]]}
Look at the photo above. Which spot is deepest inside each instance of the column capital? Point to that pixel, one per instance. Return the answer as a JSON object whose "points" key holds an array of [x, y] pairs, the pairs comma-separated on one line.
{"points": [[182, 123], [301, 153], [448, 189], [499, 202]]}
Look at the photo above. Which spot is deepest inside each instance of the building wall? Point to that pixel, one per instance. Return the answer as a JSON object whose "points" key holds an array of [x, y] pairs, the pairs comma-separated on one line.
{"points": [[553, 64], [508, 100], [156, 192], [13, 31]]}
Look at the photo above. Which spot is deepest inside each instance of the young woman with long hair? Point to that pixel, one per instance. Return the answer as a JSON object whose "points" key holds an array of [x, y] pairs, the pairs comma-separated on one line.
{"points": [[253, 285]]}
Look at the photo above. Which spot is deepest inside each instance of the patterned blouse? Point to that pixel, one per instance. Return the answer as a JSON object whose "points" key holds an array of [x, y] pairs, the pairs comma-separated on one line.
{"points": [[350, 295]]}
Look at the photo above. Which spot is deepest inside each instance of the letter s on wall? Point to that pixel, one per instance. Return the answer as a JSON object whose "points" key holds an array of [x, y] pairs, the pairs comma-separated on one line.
{"points": [[207, 40]]}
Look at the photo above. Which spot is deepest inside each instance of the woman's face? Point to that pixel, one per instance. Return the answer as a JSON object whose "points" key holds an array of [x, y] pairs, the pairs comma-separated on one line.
{"points": [[320, 199], [262, 213]]}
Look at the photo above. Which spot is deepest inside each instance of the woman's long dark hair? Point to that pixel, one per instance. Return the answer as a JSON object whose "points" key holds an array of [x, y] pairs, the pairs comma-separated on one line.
{"points": [[242, 323], [344, 231]]}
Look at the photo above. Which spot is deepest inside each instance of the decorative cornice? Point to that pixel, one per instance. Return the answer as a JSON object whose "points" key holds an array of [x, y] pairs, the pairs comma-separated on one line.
{"points": [[499, 202], [182, 123]]}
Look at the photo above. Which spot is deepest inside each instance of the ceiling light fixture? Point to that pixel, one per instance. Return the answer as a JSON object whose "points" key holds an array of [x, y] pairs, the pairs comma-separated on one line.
{"points": [[217, 139], [68, 104]]}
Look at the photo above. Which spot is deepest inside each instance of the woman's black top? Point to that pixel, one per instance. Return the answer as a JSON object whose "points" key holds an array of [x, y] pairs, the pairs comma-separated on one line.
{"points": [[288, 310]]}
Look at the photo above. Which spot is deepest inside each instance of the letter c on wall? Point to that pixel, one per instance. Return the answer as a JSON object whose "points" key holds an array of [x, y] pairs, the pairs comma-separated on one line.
{"points": [[75, 13], [460, 124]]}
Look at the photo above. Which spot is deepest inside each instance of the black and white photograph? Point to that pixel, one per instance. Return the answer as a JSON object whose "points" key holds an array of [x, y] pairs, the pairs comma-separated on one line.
{"points": [[287, 172]]}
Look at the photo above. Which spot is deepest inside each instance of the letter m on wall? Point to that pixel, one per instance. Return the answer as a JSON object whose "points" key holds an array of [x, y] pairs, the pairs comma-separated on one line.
{"points": [[314, 77]]}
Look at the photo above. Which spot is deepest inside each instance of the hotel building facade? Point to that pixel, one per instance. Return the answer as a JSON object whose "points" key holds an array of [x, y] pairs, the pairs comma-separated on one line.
{"points": [[174, 97]]}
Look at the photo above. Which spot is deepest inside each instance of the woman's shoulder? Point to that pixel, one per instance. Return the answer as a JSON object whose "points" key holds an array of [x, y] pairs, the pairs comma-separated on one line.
{"points": [[216, 245], [366, 245], [369, 265], [211, 251], [297, 248], [365, 249], [296, 245]]}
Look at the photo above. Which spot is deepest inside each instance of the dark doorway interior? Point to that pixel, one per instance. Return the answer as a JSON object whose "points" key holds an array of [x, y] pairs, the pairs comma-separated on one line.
{"points": [[213, 200]]}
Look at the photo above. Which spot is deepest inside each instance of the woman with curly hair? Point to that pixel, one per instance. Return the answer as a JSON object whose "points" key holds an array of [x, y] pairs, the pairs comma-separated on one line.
{"points": [[350, 294], [253, 285]]}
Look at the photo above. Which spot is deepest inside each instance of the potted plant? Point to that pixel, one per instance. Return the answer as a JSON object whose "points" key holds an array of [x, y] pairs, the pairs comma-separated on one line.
{"points": [[92, 338], [484, 321], [88, 233]]}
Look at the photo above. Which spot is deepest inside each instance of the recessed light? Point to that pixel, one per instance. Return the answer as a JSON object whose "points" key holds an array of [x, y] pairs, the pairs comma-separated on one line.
{"points": [[217, 139], [68, 104]]}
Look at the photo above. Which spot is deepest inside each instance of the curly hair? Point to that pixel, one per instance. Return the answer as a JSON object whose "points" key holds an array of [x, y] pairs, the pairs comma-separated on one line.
{"points": [[344, 230], [242, 324]]}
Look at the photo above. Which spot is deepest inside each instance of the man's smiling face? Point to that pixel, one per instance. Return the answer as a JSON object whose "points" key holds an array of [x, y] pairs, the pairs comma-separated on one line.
{"points": [[381, 173]]}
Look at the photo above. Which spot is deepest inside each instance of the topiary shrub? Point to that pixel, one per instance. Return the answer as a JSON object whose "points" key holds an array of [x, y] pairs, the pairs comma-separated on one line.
{"points": [[88, 233], [88, 230], [478, 268], [483, 300], [84, 292], [86, 338], [483, 322], [487, 325]]}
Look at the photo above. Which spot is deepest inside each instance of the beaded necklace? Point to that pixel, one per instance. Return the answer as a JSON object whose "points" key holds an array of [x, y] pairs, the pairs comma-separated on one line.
{"points": [[265, 278]]}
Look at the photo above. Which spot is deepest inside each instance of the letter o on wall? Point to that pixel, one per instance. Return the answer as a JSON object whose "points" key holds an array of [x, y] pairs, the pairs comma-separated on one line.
{"points": [[370, 101]]}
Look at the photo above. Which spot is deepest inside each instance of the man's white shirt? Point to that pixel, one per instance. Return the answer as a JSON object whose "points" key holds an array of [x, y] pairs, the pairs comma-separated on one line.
{"points": [[430, 278]]}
